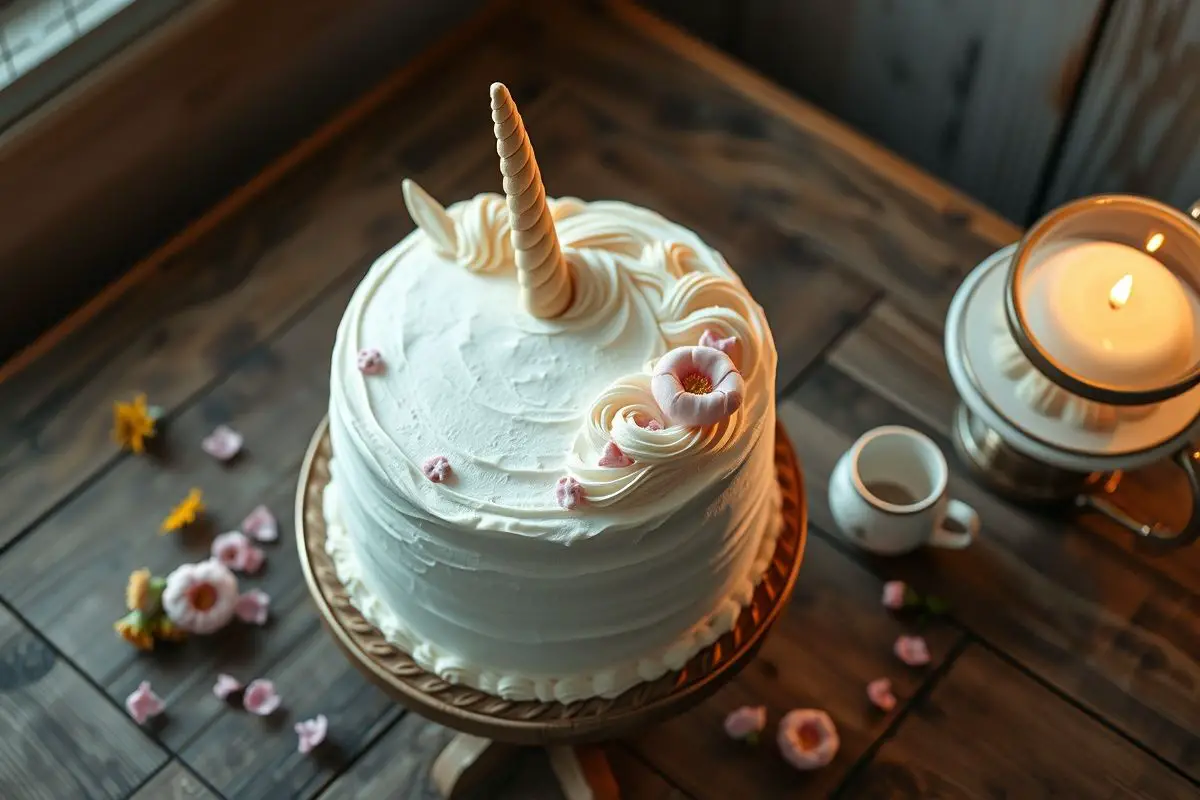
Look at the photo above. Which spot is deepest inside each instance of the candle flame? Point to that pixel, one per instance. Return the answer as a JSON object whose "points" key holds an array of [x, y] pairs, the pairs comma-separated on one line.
{"points": [[1154, 242], [1119, 295]]}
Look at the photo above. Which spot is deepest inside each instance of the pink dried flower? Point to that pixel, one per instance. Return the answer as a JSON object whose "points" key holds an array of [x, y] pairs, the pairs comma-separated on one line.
{"points": [[370, 361], [807, 738], [568, 492], [612, 456], [894, 593], [223, 443], [729, 345], [255, 558], [260, 524], [261, 698], [437, 468], [879, 692], [746, 722], [235, 551], [253, 607], [200, 598], [697, 386], [311, 732], [226, 686], [143, 703], [912, 650]]}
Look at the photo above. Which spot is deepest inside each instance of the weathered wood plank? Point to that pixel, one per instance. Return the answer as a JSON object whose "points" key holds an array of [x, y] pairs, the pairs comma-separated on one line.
{"points": [[834, 638], [174, 782], [62, 737], [987, 730], [1138, 118]]}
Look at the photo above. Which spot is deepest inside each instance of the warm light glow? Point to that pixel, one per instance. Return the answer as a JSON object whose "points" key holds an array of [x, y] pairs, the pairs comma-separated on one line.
{"points": [[1154, 242], [1118, 296]]}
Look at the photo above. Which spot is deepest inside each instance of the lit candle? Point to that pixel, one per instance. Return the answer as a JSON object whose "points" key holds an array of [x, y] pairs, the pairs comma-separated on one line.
{"points": [[1110, 313]]}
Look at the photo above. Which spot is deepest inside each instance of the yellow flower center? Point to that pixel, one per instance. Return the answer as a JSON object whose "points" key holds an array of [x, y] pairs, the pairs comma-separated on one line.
{"points": [[809, 736], [696, 383], [202, 596]]}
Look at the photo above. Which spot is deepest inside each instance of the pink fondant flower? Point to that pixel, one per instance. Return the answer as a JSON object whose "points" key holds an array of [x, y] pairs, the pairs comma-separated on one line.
{"points": [[255, 558], [879, 692], [200, 598], [697, 386], [807, 738], [649, 423], [261, 698], [311, 732], [568, 492], [226, 686], [235, 551], [223, 443], [143, 703], [746, 722], [729, 345], [261, 525], [912, 650], [437, 469], [253, 607], [612, 456], [370, 361], [894, 593]]}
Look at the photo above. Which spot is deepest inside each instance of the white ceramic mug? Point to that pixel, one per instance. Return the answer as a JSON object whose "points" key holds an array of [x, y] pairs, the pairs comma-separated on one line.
{"points": [[888, 494]]}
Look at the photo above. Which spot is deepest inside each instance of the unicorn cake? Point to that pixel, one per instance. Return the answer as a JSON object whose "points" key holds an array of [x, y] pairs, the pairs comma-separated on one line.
{"points": [[553, 427]]}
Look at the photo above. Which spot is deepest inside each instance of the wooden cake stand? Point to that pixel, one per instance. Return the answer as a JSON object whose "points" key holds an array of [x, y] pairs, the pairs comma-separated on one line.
{"points": [[489, 727]]}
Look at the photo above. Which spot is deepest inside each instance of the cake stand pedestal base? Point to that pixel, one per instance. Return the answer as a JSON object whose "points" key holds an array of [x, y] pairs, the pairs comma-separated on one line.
{"points": [[489, 727], [469, 762]]}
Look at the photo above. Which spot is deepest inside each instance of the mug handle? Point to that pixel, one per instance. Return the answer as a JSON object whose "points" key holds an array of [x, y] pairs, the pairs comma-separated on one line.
{"points": [[1158, 538], [965, 516]]}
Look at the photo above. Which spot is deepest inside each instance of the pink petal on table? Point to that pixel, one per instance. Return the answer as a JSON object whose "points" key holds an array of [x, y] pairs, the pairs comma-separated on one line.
{"points": [[226, 685], [223, 443], [370, 361], [697, 386], [261, 525], [143, 703], [807, 738], [260, 697], [253, 607], [231, 548], [436, 468], [912, 650], [612, 456], [879, 692], [893, 594], [728, 345], [746, 722], [311, 732], [568, 493], [253, 560]]}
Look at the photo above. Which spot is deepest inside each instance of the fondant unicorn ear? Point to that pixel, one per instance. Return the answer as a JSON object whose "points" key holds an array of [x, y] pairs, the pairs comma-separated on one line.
{"points": [[431, 217]]}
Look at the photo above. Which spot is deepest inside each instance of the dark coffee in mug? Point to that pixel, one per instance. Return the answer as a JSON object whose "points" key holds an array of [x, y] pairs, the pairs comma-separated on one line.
{"points": [[893, 493]]}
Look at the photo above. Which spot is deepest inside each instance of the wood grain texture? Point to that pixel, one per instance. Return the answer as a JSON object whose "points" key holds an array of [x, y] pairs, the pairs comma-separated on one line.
{"points": [[174, 782], [989, 731], [834, 639], [966, 90], [1138, 119], [62, 737]]}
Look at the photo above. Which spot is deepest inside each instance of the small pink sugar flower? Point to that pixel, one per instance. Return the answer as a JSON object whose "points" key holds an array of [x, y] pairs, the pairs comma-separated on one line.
{"points": [[912, 650], [568, 492], [729, 345], [311, 732], [612, 456], [879, 692], [253, 607], [807, 738], [697, 386], [746, 723], [143, 703], [200, 598], [437, 469], [260, 524], [261, 698], [893, 594], [234, 550], [226, 686], [649, 423], [370, 361], [223, 443]]}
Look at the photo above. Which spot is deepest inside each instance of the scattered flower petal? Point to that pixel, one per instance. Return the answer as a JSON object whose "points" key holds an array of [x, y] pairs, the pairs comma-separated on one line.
{"points": [[230, 549], [697, 386], [133, 424], [143, 703], [729, 345], [746, 722], [879, 691], [370, 361], [253, 607], [255, 558], [807, 738], [260, 524], [612, 456], [223, 443], [912, 650], [226, 686], [568, 493], [201, 598], [311, 733], [260, 697], [436, 468], [186, 513], [135, 629], [894, 594]]}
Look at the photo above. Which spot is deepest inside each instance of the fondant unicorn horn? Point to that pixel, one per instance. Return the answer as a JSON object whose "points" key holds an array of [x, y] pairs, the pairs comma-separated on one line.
{"points": [[542, 271], [430, 217]]}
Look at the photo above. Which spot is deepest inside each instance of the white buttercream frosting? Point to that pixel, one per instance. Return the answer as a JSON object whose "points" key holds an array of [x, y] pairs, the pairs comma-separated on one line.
{"points": [[484, 578]]}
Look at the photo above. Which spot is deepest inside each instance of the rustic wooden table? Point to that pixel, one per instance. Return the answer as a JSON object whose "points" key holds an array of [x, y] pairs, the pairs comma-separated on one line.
{"points": [[1067, 665]]}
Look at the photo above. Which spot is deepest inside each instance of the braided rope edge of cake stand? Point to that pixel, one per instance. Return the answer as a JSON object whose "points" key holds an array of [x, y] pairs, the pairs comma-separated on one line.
{"points": [[400, 667]]}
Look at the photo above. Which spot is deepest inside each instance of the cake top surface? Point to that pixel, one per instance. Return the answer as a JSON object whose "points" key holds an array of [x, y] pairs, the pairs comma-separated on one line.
{"points": [[544, 407]]}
